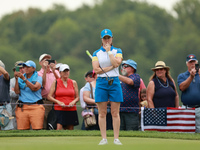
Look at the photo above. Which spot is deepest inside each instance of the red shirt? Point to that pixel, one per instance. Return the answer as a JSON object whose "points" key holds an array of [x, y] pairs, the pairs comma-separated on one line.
{"points": [[65, 94]]}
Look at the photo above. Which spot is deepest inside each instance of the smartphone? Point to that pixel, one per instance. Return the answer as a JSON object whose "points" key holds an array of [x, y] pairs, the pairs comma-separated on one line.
{"points": [[17, 68], [51, 61], [197, 68]]}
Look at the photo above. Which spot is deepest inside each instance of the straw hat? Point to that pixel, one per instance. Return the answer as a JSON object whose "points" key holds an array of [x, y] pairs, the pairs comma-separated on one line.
{"points": [[160, 64]]}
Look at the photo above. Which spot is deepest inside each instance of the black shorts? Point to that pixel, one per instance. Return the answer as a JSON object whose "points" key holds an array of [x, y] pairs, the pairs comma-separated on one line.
{"points": [[66, 118]]}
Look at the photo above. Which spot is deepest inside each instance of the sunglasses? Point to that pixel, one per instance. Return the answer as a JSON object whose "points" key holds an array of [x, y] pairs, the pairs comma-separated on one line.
{"points": [[160, 69], [126, 66], [91, 75]]}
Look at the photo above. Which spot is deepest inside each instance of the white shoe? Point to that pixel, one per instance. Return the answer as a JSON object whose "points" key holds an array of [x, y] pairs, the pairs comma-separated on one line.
{"points": [[117, 142], [103, 142]]}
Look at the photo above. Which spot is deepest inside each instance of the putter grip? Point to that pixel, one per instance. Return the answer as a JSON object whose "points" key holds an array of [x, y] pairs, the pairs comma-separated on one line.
{"points": [[88, 53]]}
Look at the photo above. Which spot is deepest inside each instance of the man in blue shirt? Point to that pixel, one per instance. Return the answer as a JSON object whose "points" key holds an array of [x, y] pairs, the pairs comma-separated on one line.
{"points": [[129, 109], [189, 84]]}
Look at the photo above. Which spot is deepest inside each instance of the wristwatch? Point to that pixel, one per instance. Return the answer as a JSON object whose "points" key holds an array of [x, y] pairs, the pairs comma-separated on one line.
{"points": [[25, 80]]}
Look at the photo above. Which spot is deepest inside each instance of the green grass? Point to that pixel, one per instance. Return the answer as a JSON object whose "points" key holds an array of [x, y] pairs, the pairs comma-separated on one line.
{"points": [[91, 142], [42, 133]]}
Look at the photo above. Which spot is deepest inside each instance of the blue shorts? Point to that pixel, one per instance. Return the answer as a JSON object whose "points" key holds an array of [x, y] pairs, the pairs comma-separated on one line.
{"points": [[105, 92]]}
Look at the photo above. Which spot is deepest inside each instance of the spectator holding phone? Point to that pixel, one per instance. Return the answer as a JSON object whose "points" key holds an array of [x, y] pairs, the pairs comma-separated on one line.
{"points": [[14, 97], [49, 74], [29, 110], [189, 84]]}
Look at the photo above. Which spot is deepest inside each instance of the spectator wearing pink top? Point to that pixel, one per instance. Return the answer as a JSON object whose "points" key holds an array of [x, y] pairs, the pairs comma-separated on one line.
{"points": [[48, 74]]}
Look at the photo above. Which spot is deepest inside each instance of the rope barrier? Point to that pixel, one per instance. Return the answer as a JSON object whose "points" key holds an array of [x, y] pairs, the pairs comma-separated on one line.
{"points": [[69, 105]]}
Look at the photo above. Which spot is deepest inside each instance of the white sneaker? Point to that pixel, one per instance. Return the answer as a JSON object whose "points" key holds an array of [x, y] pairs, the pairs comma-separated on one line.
{"points": [[103, 142], [117, 142]]}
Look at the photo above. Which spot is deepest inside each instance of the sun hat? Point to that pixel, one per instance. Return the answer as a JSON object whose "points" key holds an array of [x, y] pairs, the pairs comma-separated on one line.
{"points": [[2, 64], [131, 63], [191, 57], [44, 55], [30, 63], [106, 32], [18, 64], [64, 67], [160, 64]]}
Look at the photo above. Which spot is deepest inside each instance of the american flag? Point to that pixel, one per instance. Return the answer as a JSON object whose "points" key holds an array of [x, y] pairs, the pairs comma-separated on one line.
{"points": [[168, 119]]}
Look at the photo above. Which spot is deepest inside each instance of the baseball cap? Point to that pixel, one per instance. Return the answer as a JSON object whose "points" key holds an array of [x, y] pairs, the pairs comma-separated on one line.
{"points": [[130, 62], [64, 67], [44, 55], [30, 63], [191, 57], [106, 32], [2, 64]]}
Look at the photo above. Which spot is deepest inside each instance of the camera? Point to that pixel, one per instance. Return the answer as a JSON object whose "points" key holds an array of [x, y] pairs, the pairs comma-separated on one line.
{"points": [[197, 68], [51, 61]]}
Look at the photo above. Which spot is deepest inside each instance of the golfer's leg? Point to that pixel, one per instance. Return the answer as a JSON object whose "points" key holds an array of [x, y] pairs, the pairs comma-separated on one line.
{"points": [[116, 119], [102, 107]]}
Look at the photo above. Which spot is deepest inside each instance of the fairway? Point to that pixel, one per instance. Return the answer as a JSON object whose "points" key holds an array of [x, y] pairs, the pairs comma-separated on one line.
{"points": [[91, 142]]}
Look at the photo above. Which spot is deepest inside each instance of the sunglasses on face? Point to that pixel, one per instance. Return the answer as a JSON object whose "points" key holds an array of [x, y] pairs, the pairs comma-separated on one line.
{"points": [[126, 66], [160, 69]]}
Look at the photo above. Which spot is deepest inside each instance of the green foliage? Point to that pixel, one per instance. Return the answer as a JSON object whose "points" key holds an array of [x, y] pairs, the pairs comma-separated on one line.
{"points": [[144, 32]]}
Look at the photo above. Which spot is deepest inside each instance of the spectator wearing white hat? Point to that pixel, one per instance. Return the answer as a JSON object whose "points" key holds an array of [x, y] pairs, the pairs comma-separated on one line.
{"points": [[29, 110], [4, 94], [49, 74], [66, 97], [13, 96]]}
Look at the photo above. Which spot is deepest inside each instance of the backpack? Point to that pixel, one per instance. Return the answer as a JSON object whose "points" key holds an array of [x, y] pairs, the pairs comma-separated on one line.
{"points": [[51, 118]]}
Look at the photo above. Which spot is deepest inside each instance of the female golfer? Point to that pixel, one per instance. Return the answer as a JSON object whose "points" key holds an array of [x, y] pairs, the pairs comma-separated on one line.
{"points": [[106, 61]]}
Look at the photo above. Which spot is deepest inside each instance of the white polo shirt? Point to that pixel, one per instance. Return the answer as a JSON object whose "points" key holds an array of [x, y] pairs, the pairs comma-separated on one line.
{"points": [[104, 60]]}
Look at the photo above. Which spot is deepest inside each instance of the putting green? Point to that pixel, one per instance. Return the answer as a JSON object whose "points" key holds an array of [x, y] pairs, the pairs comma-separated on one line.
{"points": [[91, 142]]}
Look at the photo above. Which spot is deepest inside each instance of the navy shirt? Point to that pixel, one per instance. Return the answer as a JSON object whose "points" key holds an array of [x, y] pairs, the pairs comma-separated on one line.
{"points": [[191, 96], [164, 95], [130, 95], [4, 90]]}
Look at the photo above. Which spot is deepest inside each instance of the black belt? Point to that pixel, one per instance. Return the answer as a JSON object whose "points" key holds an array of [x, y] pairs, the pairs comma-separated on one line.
{"points": [[38, 102]]}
